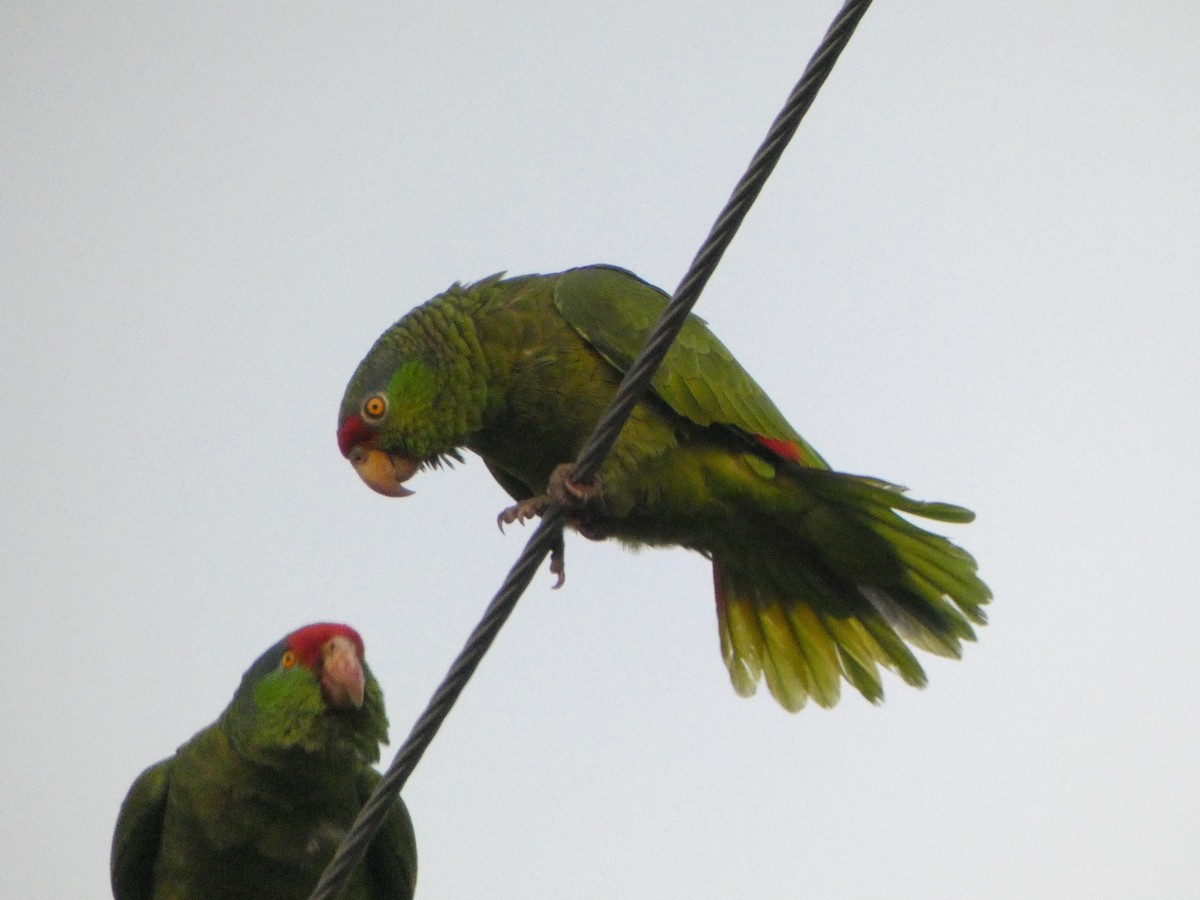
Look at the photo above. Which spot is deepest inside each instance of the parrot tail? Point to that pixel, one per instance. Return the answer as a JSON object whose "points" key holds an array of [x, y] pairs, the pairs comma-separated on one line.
{"points": [[835, 586]]}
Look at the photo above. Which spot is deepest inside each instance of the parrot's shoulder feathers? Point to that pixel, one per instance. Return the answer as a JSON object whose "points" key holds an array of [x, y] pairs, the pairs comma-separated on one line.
{"points": [[139, 830]]}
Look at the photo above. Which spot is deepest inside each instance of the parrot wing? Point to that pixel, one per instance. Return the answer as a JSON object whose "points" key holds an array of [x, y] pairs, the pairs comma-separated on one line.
{"points": [[835, 581], [139, 829], [614, 311], [392, 856]]}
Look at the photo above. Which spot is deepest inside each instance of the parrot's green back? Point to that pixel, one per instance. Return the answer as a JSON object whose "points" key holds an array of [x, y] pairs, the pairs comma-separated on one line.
{"points": [[817, 577], [218, 821]]}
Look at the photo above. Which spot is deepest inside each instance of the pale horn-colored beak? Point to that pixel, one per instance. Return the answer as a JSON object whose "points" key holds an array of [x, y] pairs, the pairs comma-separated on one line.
{"points": [[383, 472], [342, 679]]}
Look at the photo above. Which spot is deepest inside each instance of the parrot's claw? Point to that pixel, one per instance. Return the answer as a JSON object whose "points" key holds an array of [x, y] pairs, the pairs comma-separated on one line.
{"points": [[558, 565], [521, 512], [528, 509], [577, 499]]}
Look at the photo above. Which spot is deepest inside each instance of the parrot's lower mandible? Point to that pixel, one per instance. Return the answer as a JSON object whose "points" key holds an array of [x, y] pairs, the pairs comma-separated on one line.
{"points": [[255, 805], [817, 577]]}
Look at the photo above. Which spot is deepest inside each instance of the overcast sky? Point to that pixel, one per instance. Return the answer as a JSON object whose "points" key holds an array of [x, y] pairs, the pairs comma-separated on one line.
{"points": [[974, 273]]}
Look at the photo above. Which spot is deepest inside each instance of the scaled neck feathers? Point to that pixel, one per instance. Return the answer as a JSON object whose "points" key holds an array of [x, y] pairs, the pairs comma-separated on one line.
{"points": [[436, 374], [294, 730]]}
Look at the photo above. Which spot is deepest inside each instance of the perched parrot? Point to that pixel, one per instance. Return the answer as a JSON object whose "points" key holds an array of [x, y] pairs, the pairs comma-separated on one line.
{"points": [[255, 805], [817, 578]]}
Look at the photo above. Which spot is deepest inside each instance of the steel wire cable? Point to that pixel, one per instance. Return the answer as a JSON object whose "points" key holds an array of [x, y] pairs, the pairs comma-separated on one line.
{"points": [[549, 532]]}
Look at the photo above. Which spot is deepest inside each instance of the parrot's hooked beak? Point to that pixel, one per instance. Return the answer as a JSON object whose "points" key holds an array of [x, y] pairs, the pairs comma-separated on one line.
{"points": [[342, 678], [383, 472]]}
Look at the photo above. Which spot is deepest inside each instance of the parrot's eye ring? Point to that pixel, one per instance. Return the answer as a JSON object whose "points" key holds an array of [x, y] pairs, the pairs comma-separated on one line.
{"points": [[374, 407], [288, 659]]}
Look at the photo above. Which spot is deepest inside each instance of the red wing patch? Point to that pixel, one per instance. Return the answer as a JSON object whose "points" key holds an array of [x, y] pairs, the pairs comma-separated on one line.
{"points": [[783, 449]]}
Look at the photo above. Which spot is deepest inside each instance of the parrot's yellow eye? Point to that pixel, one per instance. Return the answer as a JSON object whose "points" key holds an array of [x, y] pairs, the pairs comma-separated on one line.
{"points": [[374, 407], [288, 660]]}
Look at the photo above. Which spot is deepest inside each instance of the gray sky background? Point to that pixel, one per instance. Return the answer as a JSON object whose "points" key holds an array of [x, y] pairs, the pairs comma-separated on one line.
{"points": [[975, 273]]}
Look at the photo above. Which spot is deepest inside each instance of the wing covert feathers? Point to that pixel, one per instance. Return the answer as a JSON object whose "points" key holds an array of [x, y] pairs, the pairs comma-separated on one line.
{"points": [[614, 311]]}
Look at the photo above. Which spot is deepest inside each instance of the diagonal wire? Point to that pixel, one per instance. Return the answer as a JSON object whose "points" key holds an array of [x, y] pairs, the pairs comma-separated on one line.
{"points": [[549, 532]]}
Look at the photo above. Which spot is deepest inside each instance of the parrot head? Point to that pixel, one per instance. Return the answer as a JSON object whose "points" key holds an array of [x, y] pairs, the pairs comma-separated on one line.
{"points": [[402, 411], [311, 692]]}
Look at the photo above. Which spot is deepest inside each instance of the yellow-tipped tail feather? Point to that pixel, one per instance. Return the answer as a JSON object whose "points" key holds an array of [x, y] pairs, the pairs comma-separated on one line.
{"points": [[863, 584]]}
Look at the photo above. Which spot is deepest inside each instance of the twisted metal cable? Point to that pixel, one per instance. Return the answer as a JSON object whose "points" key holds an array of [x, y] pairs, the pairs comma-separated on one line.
{"points": [[714, 246], [370, 819]]}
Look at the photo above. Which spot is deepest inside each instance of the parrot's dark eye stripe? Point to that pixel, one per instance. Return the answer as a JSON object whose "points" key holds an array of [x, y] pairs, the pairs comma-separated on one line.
{"points": [[374, 407]]}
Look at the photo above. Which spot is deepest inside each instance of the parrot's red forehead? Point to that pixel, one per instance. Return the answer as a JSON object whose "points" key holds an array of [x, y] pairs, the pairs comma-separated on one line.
{"points": [[353, 431], [307, 642]]}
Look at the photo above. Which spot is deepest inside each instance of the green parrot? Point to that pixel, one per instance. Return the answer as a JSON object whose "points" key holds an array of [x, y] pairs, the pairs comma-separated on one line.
{"points": [[816, 576], [255, 805]]}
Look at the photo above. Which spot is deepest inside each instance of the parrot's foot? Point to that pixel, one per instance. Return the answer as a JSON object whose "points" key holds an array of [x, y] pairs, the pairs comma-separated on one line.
{"points": [[572, 495], [583, 503], [528, 509], [579, 501]]}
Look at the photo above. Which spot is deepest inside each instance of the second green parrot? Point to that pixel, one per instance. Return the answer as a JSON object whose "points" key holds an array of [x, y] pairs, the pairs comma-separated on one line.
{"points": [[817, 578], [254, 806]]}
